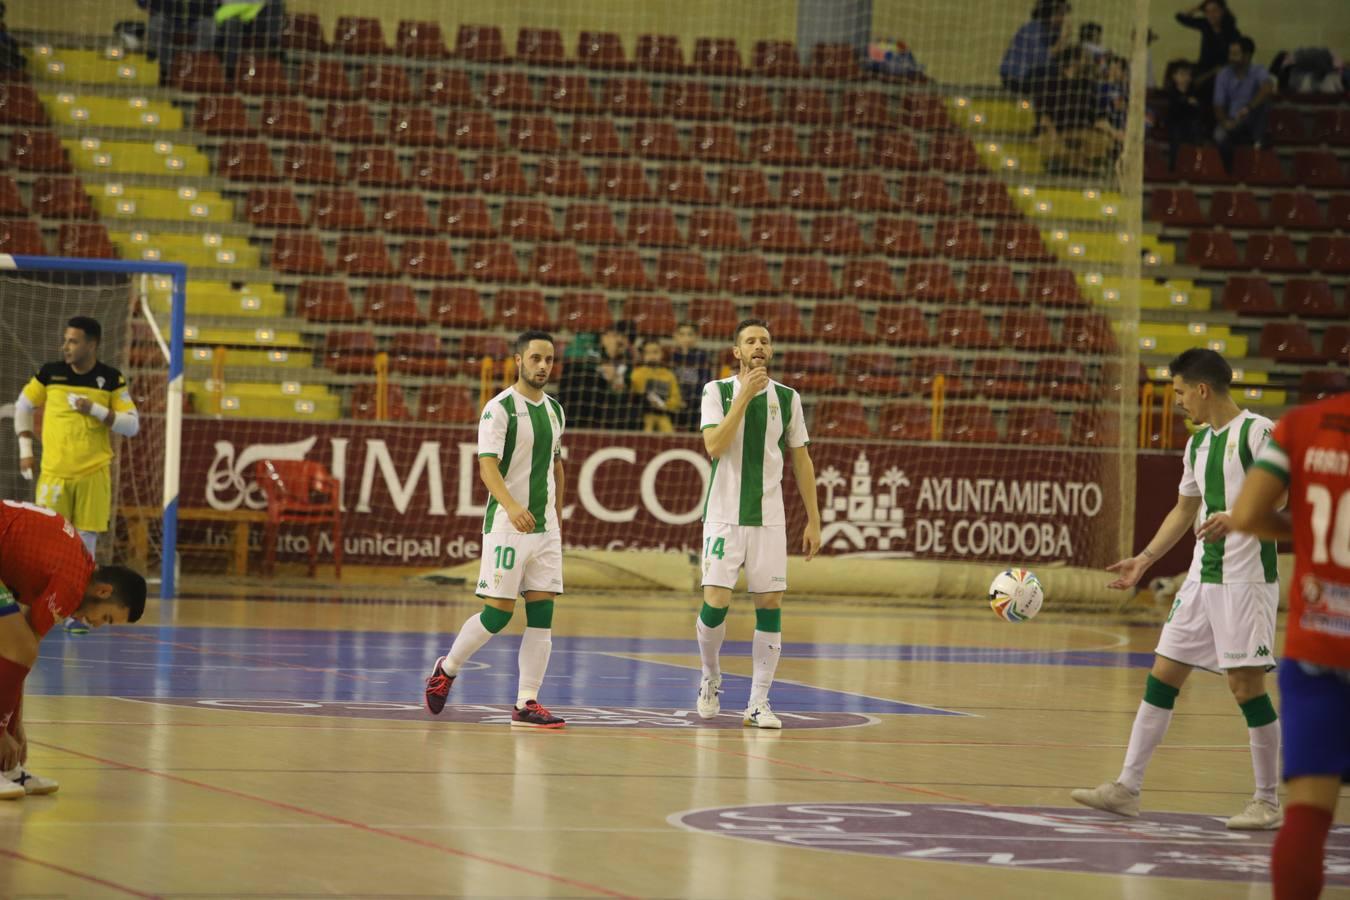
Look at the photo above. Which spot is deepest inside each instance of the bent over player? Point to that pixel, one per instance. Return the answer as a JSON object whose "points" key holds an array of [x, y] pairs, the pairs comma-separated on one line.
{"points": [[1309, 455], [520, 462], [1223, 619], [46, 575], [749, 422]]}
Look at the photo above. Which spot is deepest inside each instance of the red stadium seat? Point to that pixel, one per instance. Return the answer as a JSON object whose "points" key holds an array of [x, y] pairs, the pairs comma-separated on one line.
{"points": [[473, 129], [648, 227], [518, 310], [960, 239], [839, 323], [363, 255], [273, 208], [1000, 378], [954, 153], [1332, 126], [839, 418], [261, 76], [688, 100], [528, 221], [927, 112], [682, 183], [298, 253], [748, 103], [1250, 296], [899, 237], [784, 318], [896, 150], [583, 312], [533, 134], [1027, 330], [84, 240], [540, 47], [1286, 126], [905, 421], [500, 175], [987, 199], [925, 195], [969, 425], [418, 353], [569, 94], [326, 301], [926, 369], [835, 147], [1090, 428], [375, 167], [717, 56], [420, 40], [1033, 426], [1319, 169], [1089, 333], [1288, 342], [287, 120], [302, 31], [403, 214], [1201, 165], [1315, 386], [993, 284], [1309, 298], [1054, 287], [657, 139], [1062, 379], [480, 43], [393, 304], [197, 72], [457, 307], [437, 170], [628, 97], [867, 109], [745, 187], [903, 326], [1272, 253], [466, 217], [11, 203], [651, 314], [806, 106], [1212, 250], [682, 272], [414, 127], [620, 268], [558, 265], [866, 192], [60, 198], [964, 329], [837, 234], [601, 50], [776, 59], [1176, 206], [359, 36], [1336, 344], [716, 142], [309, 164], [776, 231], [562, 178], [446, 404], [1296, 211], [1330, 255], [336, 210], [447, 87], [809, 371], [929, 282], [326, 79], [474, 348], [596, 137], [806, 189], [874, 374], [222, 116], [869, 279], [744, 274], [349, 352], [624, 181], [809, 276], [834, 61], [365, 403], [714, 316], [775, 145], [509, 90], [37, 151], [1235, 209], [21, 238], [1258, 166], [593, 223], [427, 258]]}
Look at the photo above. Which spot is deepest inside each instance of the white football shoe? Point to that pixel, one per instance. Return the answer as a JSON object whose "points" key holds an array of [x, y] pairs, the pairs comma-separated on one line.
{"points": [[29, 783], [760, 715], [1112, 797], [709, 689]]}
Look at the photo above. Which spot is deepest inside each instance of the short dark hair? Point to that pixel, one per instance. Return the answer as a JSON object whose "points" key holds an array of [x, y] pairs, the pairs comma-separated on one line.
{"points": [[89, 326], [1200, 365], [128, 588], [1247, 44], [1089, 30], [748, 323], [1044, 9], [534, 334]]}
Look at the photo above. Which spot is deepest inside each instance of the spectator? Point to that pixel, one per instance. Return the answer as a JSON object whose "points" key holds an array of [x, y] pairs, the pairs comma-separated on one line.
{"points": [[1115, 90], [1218, 29], [1090, 39], [11, 57], [248, 27], [1241, 96], [659, 389], [595, 388], [693, 369], [1029, 60], [1076, 138], [1187, 122], [170, 18]]}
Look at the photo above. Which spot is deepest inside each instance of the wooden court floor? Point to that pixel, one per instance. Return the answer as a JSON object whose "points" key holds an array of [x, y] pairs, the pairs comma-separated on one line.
{"points": [[264, 741]]}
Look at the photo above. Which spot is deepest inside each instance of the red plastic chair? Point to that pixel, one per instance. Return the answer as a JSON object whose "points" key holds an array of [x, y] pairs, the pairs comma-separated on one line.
{"points": [[903, 326], [540, 47], [466, 217], [839, 323], [375, 167], [651, 314], [420, 40], [273, 208], [748, 103], [448, 87], [601, 50], [835, 147], [1249, 296], [393, 304], [714, 316], [1309, 298], [326, 79], [1054, 287], [809, 276], [866, 109], [775, 231], [840, 418], [427, 258], [682, 272], [630, 97], [359, 36], [596, 137], [446, 404], [21, 237], [1288, 342], [776, 59], [457, 307], [1176, 206], [807, 106], [1235, 209], [222, 116], [659, 53], [480, 43], [569, 94], [688, 100], [1212, 250], [414, 127], [647, 227], [87, 240], [683, 183], [1296, 211], [970, 425], [582, 312], [562, 178], [304, 163], [992, 283], [37, 151], [1034, 426], [929, 282], [528, 221], [593, 223], [300, 492]]}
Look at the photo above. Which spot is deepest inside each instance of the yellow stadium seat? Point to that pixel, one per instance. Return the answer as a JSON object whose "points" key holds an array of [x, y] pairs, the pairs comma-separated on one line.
{"points": [[1177, 294], [1104, 246], [208, 250], [1070, 205], [265, 401], [113, 112], [220, 299], [112, 65], [987, 115], [244, 337], [114, 200], [1011, 157], [136, 157], [1172, 338]]}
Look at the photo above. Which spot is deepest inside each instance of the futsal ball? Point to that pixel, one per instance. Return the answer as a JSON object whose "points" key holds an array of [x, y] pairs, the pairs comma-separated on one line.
{"points": [[1016, 595]]}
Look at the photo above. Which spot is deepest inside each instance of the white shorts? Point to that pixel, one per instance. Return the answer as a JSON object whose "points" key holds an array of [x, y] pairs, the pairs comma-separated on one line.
{"points": [[1221, 626], [762, 549], [514, 563]]}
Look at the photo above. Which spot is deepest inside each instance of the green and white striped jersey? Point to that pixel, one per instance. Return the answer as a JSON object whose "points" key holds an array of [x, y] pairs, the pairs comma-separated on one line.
{"points": [[525, 437], [1215, 465], [746, 484]]}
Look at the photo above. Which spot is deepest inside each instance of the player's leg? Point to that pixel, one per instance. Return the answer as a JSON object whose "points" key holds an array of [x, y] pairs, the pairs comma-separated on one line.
{"points": [[1315, 718], [766, 577], [91, 506], [723, 554], [18, 654], [541, 582]]}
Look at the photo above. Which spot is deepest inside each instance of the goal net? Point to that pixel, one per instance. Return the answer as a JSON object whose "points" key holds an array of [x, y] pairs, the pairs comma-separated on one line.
{"points": [[935, 206]]}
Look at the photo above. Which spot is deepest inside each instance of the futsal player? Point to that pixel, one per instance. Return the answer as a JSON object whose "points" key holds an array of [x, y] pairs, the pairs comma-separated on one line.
{"points": [[749, 422], [1223, 619], [46, 575], [1309, 455], [520, 462]]}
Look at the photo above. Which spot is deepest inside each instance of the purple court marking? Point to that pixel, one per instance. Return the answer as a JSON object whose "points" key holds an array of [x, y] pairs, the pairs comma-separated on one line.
{"points": [[484, 714], [1162, 845]]}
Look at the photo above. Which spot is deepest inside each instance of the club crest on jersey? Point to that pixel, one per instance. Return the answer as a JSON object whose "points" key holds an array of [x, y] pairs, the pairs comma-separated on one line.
{"points": [[101, 380], [773, 410], [496, 580]]}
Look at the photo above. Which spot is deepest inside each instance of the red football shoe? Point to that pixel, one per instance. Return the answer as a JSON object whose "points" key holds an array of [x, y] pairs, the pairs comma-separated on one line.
{"points": [[533, 716], [438, 688]]}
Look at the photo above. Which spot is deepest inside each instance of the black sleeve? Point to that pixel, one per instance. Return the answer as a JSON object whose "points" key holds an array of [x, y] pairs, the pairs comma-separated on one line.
{"points": [[1185, 21]]}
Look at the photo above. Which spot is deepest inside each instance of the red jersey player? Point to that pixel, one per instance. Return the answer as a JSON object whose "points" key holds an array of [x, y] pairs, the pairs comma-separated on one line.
{"points": [[1309, 454], [46, 575]]}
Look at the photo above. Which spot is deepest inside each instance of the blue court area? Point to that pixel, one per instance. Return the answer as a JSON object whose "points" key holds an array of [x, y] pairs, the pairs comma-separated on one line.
{"points": [[167, 662]]}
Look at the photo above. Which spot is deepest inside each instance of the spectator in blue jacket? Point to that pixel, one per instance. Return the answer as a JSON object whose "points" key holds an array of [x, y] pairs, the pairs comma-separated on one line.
{"points": [[1029, 59], [1242, 95]]}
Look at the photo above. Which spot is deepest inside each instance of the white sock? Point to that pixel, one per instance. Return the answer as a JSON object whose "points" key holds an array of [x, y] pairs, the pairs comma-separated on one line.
{"points": [[535, 648], [90, 539], [1150, 724], [710, 647], [472, 636], [768, 646], [1265, 743]]}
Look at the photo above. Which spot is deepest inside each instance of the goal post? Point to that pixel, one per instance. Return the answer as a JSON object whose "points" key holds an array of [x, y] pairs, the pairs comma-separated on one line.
{"points": [[173, 400]]}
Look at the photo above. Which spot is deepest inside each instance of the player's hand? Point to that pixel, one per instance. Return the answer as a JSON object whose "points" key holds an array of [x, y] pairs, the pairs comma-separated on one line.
{"points": [[1215, 528], [1129, 571], [522, 519], [811, 540], [26, 466], [754, 381], [81, 404]]}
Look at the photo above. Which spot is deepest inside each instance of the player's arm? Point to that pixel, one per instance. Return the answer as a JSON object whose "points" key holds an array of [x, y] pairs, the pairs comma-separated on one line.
{"points": [[492, 479], [804, 471], [121, 419], [1260, 506], [23, 430], [718, 437], [1176, 525]]}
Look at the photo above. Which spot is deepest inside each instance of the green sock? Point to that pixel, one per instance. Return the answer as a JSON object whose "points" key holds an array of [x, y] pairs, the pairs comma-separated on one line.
{"points": [[712, 616], [1258, 711], [494, 619], [539, 613], [769, 620], [1159, 694]]}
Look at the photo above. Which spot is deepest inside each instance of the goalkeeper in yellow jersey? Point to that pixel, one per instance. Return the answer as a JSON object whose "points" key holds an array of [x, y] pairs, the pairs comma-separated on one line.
{"points": [[85, 402]]}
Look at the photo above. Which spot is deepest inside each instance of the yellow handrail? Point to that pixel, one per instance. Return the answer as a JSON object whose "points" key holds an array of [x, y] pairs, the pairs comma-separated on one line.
{"points": [[1146, 394], [381, 386], [939, 404], [508, 371], [218, 379], [486, 367]]}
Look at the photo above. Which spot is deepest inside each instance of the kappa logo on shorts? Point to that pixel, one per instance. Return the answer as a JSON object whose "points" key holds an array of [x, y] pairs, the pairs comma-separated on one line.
{"points": [[1262, 650], [482, 584]]}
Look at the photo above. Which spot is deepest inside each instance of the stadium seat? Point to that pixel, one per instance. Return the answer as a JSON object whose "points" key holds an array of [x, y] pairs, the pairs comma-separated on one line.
{"points": [[834, 147], [437, 170], [840, 418], [987, 199], [834, 61], [593, 223], [326, 79], [683, 183], [905, 421], [682, 272], [413, 126], [964, 329], [1235, 209], [197, 72], [628, 97], [1000, 378], [363, 255], [652, 315], [926, 112], [837, 235], [499, 174], [1027, 330], [873, 374], [839, 323], [1285, 126], [715, 317], [37, 151], [1178, 207], [349, 352], [596, 137], [569, 94], [954, 153], [1329, 255], [375, 167], [60, 198], [1272, 253], [972, 424], [1288, 342], [1089, 333], [261, 76], [717, 56], [540, 47], [620, 268], [1249, 296], [403, 214], [1308, 298], [519, 309], [1201, 165], [386, 83], [924, 370], [1258, 166], [925, 194], [899, 237], [1338, 212], [350, 123], [929, 282], [447, 87], [748, 103], [19, 105], [528, 221], [21, 237], [1332, 126], [308, 163], [1033, 426], [688, 100], [623, 180], [784, 318], [806, 106], [474, 348], [869, 279], [1315, 386], [866, 192], [656, 139], [991, 283], [807, 371], [866, 109], [393, 304], [775, 145], [745, 187], [326, 301], [808, 276], [336, 210], [466, 217], [1062, 379], [805, 189], [533, 134], [1295, 211], [222, 116], [427, 258], [11, 203], [1319, 169], [480, 43], [457, 307], [418, 353], [85, 240], [473, 129], [509, 90], [1054, 287], [772, 231], [960, 239], [558, 265], [601, 50], [1091, 428], [562, 178], [903, 326], [647, 227], [446, 404], [365, 403], [744, 274], [715, 142], [273, 208], [581, 312], [298, 253], [284, 119], [1336, 344], [1212, 250], [302, 31], [359, 36], [895, 150], [776, 59]]}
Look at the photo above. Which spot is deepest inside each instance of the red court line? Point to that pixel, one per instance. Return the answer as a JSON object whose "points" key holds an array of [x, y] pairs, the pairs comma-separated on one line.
{"points": [[243, 657], [102, 882], [338, 820]]}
